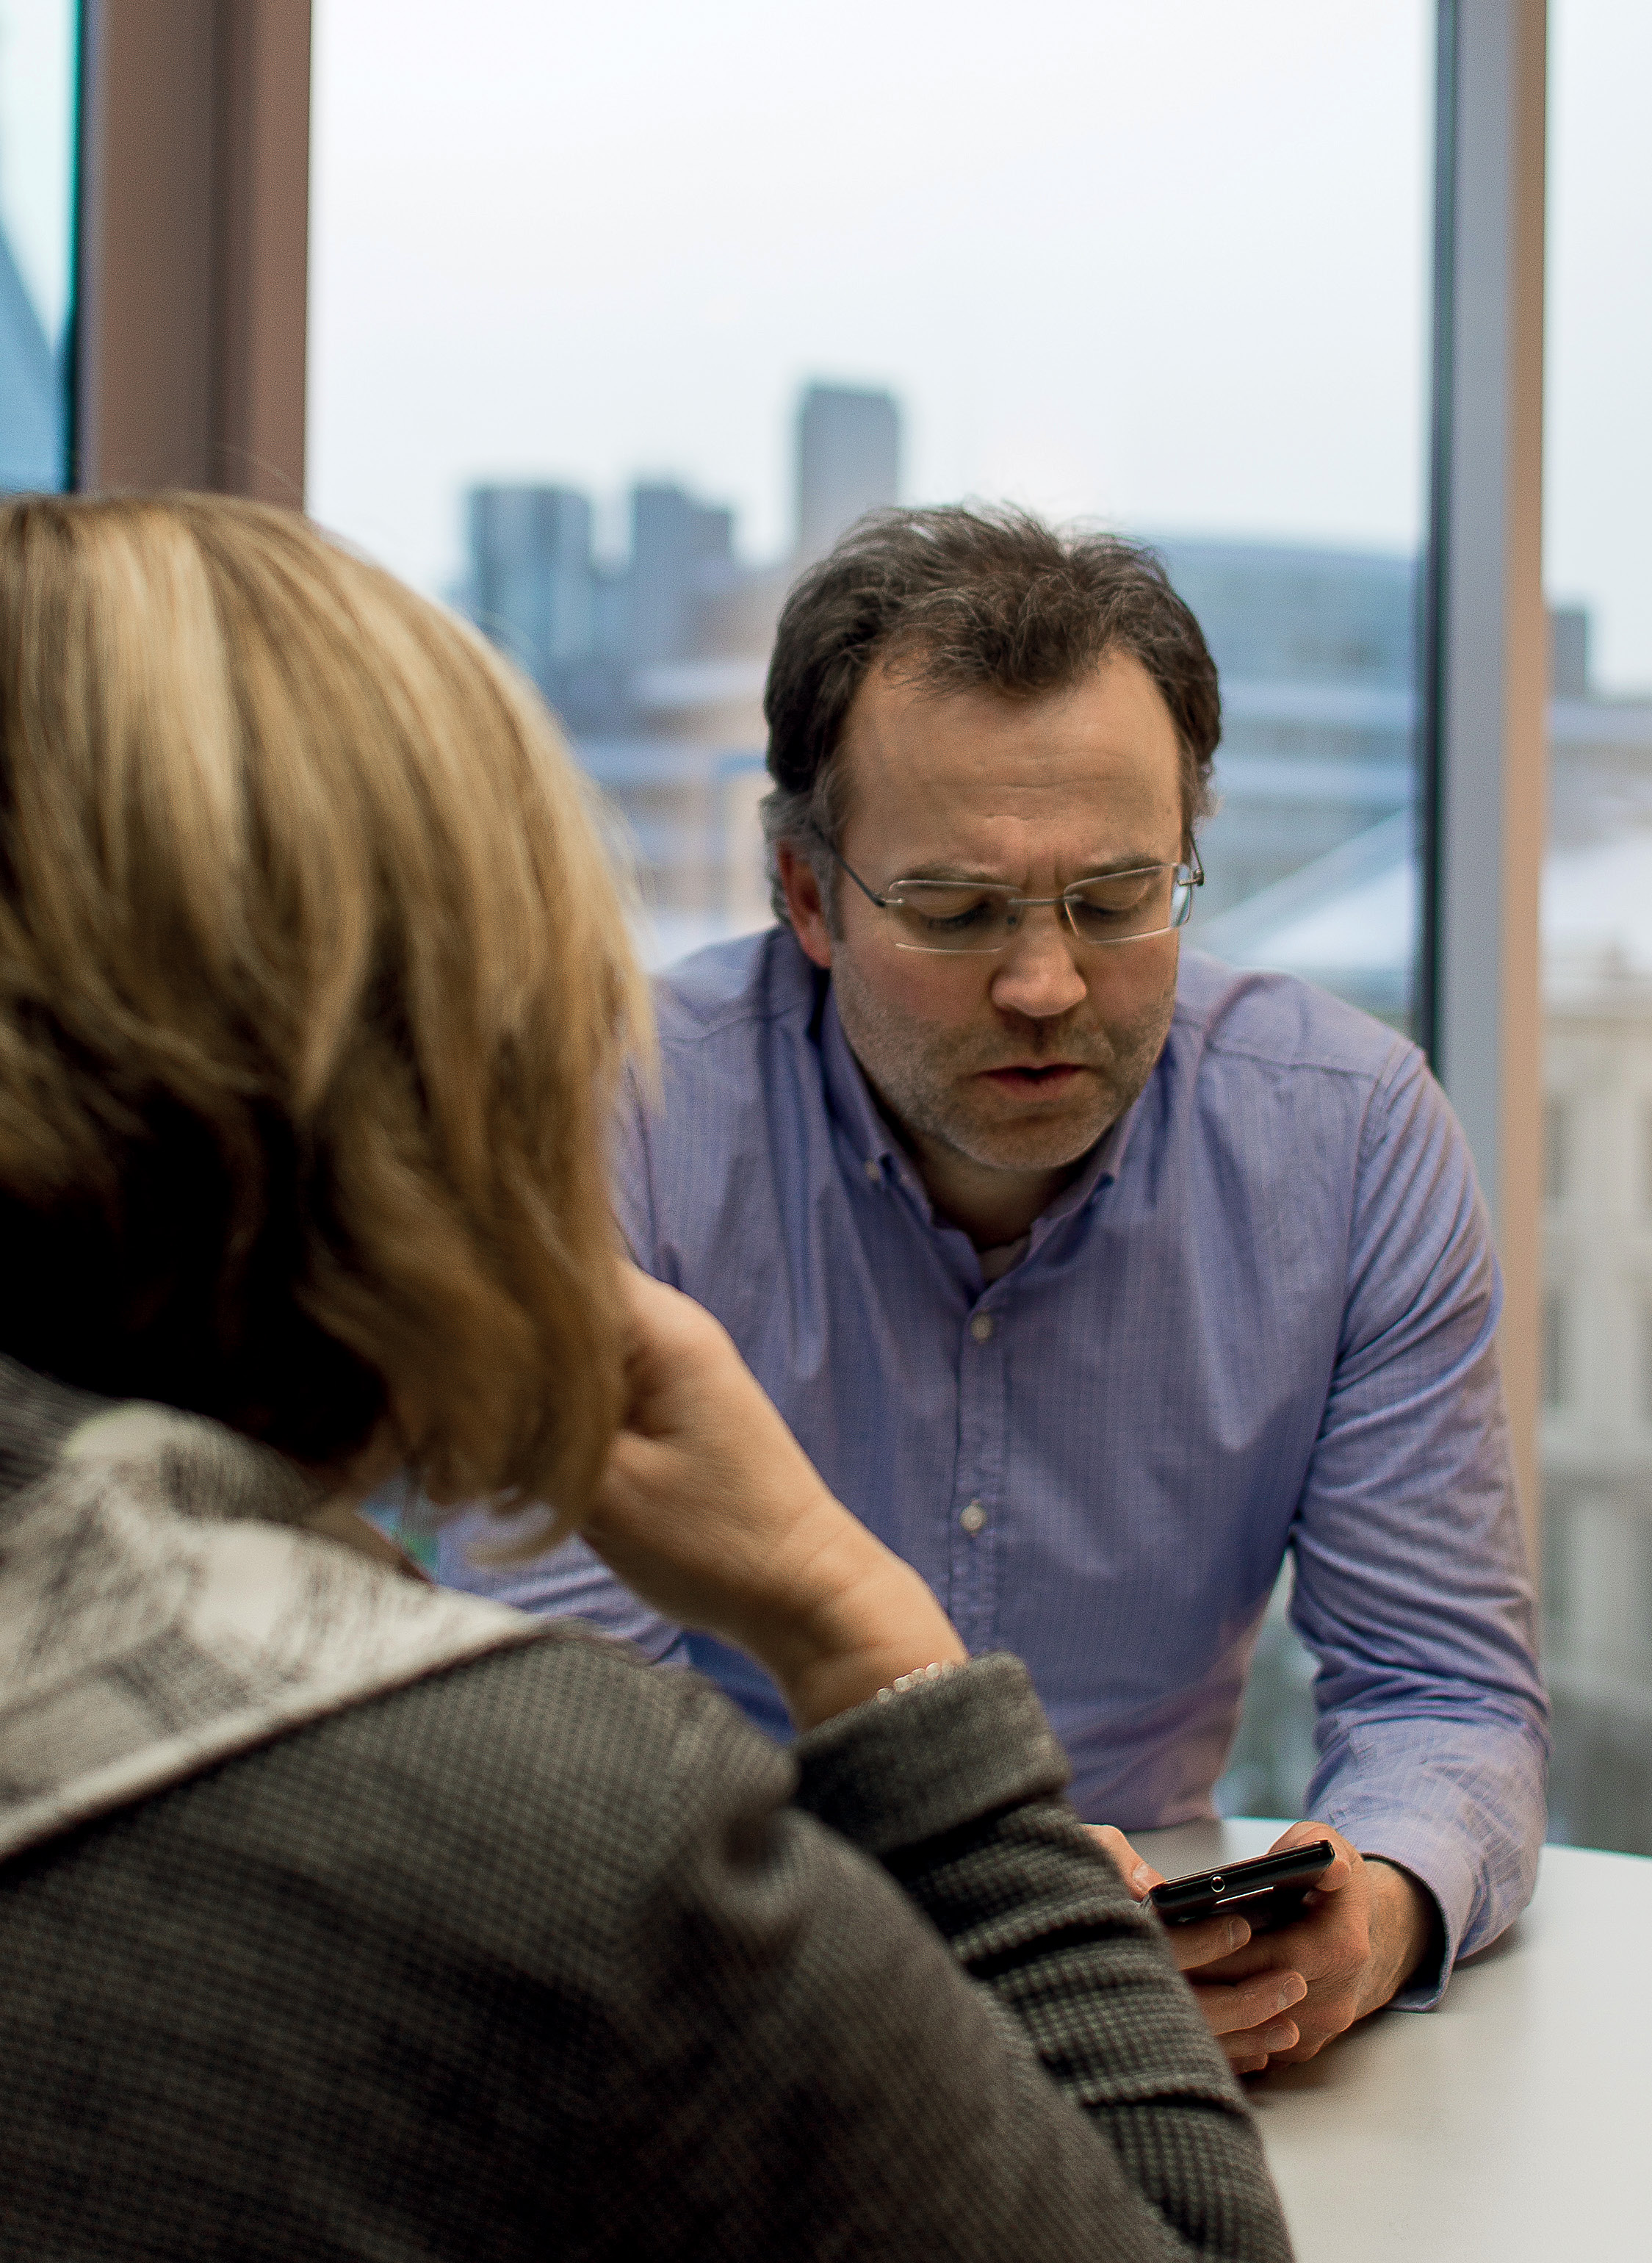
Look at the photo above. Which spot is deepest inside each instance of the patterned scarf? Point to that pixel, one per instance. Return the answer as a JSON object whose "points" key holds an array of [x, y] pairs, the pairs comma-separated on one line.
{"points": [[171, 1594]]}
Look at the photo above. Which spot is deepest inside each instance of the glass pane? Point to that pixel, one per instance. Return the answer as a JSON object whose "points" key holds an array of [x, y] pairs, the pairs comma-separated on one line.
{"points": [[619, 315], [1597, 930], [38, 94]]}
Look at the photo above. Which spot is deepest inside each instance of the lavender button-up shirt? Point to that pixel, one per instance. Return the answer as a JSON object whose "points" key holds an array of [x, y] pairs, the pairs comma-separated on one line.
{"points": [[1261, 1319]]}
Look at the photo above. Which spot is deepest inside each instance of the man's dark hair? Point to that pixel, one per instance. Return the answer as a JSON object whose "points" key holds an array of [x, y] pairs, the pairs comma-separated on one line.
{"points": [[963, 599]]}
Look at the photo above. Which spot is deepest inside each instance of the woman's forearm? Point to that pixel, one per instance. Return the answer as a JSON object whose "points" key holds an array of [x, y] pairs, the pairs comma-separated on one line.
{"points": [[956, 1790]]}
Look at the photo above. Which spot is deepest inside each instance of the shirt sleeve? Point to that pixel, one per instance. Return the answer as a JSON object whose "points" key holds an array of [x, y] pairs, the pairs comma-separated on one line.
{"points": [[1411, 1582], [958, 2035]]}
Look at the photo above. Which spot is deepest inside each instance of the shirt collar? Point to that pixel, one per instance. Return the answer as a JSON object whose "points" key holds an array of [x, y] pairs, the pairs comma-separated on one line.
{"points": [[849, 1098]]}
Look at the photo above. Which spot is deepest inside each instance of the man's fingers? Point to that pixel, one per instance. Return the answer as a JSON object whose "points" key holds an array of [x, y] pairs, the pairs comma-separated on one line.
{"points": [[1249, 2053], [1250, 2006], [1303, 2048], [1311, 1968], [1139, 1875], [1191, 1945], [1329, 1880], [1273, 1952], [1207, 1942]]}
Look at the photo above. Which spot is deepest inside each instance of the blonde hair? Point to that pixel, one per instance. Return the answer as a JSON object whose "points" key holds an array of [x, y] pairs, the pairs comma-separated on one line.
{"points": [[315, 982]]}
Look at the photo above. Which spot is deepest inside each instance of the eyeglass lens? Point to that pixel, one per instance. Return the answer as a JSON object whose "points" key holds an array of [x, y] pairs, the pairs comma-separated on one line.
{"points": [[975, 916]]}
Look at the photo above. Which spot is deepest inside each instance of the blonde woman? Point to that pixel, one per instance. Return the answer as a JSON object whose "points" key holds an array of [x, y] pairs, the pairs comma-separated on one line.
{"points": [[343, 1917]]}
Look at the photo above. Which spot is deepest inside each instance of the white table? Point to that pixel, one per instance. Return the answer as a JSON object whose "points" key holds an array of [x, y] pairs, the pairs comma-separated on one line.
{"points": [[1513, 2122]]}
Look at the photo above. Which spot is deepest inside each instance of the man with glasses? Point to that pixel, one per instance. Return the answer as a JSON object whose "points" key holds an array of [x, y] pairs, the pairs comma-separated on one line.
{"points": [[1096, 1276]]}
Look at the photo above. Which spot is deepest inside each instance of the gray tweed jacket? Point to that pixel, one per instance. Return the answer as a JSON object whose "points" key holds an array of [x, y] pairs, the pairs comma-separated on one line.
{"points": [[552, 1956]]}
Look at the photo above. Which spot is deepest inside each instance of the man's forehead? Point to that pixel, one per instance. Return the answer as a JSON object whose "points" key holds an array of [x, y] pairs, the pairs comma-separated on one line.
{"points": [[1109, 734]]}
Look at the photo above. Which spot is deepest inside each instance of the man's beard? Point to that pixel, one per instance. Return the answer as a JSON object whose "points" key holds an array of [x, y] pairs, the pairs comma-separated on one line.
{"points": [[923, 1074]]}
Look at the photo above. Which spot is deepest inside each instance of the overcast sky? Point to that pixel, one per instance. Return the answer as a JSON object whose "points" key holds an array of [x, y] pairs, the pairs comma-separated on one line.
{"points": [[1162, 264]]}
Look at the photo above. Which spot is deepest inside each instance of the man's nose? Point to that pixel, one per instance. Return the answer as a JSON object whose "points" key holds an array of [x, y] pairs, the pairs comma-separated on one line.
{"points": [[1038, 973]]}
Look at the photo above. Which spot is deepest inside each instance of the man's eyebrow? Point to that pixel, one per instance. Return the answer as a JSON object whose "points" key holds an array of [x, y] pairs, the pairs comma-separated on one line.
{"points": [[940, 871], [1129, 860]]}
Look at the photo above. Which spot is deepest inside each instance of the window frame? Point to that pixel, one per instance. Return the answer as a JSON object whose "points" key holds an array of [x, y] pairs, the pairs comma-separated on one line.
{"points": [[1483, 647], [193, 254]]}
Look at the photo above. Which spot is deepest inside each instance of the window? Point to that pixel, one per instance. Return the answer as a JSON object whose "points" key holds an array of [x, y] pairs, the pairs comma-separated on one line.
{"points": [[687, 291], [38, 96], [619, 315], [1598, 894]]}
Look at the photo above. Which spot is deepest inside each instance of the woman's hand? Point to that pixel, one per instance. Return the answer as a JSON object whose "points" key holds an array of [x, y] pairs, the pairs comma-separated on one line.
{"points": [[711, 1511]]}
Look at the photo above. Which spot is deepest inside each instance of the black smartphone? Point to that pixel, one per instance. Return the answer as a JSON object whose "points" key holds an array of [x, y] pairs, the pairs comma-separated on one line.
{"points": [[1266, 1892]]}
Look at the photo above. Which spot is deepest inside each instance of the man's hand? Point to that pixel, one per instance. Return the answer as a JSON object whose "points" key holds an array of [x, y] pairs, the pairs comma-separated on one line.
{"points": [[1363, 1930]]}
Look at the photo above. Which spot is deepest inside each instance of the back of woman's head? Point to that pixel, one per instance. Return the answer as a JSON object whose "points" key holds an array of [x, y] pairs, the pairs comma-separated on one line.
{"points": [[313, 981]]}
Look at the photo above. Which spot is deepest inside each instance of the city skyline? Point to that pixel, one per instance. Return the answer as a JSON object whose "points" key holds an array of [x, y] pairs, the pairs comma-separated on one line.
{"points": [[655, 661], [607, 637]]}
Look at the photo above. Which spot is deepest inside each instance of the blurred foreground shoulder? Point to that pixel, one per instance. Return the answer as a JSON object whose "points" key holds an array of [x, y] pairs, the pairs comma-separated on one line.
{"points": [[363, 1990], [547, 1954]]}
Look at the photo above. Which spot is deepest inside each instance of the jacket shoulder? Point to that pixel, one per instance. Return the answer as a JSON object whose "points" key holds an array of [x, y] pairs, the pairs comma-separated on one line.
{"points": [[561, 1766], [443, 1916]]}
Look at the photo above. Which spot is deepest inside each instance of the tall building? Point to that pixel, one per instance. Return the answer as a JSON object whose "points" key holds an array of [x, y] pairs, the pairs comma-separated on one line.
{"points": [[531, 572], [848, 462], [656, 665], [680, 552]]}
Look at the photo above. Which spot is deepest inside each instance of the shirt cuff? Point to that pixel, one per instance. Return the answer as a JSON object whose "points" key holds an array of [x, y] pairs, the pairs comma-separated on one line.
{"points": [[891, 1776], [1437, 1860]]}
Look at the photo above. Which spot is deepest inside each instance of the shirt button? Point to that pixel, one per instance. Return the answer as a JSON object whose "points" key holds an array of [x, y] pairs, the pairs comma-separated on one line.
{"points": [[981, 1327], [973, 1518], [874, 1169]]}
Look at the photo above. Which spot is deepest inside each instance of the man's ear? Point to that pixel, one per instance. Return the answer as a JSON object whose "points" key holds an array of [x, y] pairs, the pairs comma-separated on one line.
{"points": [[803, 901]]}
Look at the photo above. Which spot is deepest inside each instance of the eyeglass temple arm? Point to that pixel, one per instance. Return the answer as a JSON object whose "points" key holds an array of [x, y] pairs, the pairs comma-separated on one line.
{"points": [[838, 858]]}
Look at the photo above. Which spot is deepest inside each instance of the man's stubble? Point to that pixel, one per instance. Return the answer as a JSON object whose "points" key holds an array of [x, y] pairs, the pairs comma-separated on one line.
{"points": [[921, 1071]]}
